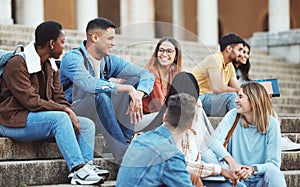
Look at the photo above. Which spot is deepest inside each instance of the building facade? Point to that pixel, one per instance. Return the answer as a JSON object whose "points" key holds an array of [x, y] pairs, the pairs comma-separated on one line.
{"points": [[202, 20]]}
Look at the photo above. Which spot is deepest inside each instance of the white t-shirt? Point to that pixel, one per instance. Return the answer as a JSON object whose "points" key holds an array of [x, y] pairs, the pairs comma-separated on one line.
{"points": [[96, 64]]}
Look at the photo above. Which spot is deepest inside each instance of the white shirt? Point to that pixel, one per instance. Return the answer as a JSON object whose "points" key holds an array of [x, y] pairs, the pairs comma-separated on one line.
{"points": [[96, 64]]}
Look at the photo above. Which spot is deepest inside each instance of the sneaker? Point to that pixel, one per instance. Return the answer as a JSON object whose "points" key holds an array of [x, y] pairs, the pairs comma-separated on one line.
{"points": [[86, 175], [100, 172], [288, 145]]}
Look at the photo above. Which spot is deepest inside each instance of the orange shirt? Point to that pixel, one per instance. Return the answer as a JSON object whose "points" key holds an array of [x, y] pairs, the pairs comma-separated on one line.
{"points": [[155, 100]]}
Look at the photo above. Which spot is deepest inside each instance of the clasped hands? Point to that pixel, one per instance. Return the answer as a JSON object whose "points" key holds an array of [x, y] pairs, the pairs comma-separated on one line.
{"points": [[241, 172], [135, 108], [245, 172]]}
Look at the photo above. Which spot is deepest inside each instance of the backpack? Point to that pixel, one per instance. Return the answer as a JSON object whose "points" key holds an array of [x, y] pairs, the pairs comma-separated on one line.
{"points": [[4, 57]]}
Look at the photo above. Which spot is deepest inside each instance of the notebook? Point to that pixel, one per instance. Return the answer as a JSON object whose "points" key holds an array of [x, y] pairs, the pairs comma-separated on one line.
{"points": [[271, 85], [214, 178]]}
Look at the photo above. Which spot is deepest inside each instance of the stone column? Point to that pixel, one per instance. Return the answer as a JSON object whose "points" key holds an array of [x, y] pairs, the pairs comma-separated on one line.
{"points": [[279, 15], [86, 11], [5, 12], [178, 19], [30, 12], [207, 21], [137, 18]]}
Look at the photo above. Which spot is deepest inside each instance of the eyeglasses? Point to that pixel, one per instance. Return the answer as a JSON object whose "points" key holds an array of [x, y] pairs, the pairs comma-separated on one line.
{"points": [[168, 51]]}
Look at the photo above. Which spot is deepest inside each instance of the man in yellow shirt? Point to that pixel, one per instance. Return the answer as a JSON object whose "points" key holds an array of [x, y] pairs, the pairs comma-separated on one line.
{"points": [[216, 77]]}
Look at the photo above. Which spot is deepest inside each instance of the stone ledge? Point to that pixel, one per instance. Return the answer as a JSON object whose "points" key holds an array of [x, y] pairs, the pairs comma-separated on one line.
{"points": [[106, 184], [292, 178], [294, 137], [42, 172], [290, 160], [11, 150], [285, 44], [288, 124]]}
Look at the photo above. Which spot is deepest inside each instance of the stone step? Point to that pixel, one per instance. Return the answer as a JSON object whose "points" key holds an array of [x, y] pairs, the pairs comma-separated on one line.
{"points": [[287, 108], [286, 100], [288, 124], [43, 172], [290, 160], [139, 51], [11, 42], [294, 137], [292, 178], [290, 92], [16, 28], [75, 37], [269, 75], [11, 150], [6, 35], [279, 67], [135, 49], [289, 84], [52, 172], [70, 33], [105, 184]]}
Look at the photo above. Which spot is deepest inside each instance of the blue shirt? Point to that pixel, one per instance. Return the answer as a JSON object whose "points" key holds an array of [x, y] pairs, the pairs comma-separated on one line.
{"points": [[73, 69], [248, 146], [152, 159]]}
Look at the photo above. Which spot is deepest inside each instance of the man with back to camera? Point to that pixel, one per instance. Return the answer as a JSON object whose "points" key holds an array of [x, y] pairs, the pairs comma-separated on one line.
{"points": [[152, 158], [216, 77]]}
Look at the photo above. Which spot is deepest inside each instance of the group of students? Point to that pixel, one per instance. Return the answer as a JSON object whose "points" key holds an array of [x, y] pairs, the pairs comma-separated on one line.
{"points": [[179, 147], [253, 153]]}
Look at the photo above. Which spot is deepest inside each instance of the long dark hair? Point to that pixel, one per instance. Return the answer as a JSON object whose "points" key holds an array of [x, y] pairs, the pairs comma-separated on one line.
{"points": [[183, 82], [177, 64], [244, 68]]}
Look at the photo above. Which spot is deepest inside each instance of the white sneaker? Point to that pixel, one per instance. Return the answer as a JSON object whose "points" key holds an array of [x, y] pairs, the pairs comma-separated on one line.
{"points": [[288, 145], [86, 175], [100, 172]]}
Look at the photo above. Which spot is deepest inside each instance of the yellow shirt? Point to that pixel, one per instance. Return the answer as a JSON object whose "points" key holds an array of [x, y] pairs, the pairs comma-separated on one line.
{"points": [[212, 63]]}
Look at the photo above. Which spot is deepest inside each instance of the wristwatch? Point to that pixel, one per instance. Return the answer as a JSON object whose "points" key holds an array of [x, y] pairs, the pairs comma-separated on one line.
{"points": [[255, 170]]}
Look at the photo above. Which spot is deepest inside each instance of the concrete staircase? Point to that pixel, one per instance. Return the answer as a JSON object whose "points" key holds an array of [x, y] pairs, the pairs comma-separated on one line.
{"points": [[41, 164]]}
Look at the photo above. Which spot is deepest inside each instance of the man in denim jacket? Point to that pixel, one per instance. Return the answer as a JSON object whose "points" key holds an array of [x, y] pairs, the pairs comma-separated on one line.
{"points": [[85, 74], [152, 158]]}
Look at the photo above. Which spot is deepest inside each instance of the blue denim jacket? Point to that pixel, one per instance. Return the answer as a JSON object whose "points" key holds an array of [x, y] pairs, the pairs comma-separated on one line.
{"points": [[84, 81], [152, 159]]}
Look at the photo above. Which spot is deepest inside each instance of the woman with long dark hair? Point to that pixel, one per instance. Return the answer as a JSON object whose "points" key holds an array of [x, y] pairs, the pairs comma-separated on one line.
{"points": [[165, 63]]}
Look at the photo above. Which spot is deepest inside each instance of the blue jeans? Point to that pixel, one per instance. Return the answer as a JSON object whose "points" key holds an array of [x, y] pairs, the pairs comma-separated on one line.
{"points": [[221, 184], [218, 104], [99, 108], [49, 125], [272, 178]]}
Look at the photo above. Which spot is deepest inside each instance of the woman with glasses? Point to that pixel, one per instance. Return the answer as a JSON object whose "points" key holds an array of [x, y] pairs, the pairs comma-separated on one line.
{"points": [[165, 63]]}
